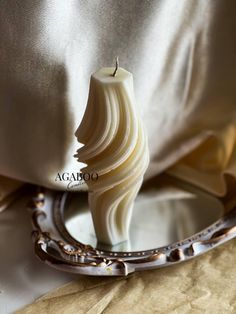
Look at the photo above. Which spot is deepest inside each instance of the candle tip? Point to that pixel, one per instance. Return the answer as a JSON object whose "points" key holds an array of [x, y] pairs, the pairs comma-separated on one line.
{"points": [[117, 66]]}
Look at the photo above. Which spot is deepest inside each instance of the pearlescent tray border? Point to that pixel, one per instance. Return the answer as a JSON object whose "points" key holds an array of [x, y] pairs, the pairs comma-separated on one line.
{"points": [[55, 246]]}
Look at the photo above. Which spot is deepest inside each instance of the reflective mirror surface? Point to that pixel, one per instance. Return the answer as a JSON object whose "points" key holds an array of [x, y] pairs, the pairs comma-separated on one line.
{"points": [[161, 216]]}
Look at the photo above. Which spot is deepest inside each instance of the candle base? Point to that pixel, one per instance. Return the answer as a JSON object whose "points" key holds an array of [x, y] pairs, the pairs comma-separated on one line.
{"points": [[119, 217]]}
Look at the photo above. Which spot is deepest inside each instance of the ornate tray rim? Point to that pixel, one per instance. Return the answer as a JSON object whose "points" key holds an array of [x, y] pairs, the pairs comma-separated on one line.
{"points": [[63, 252]]}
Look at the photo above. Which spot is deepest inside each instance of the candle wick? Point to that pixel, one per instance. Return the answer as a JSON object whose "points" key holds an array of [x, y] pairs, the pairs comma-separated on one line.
{"points": [[117, 66]]}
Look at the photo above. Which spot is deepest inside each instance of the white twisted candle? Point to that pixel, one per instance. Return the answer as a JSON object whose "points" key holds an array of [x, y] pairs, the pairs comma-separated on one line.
{"points": [[115, 147]]}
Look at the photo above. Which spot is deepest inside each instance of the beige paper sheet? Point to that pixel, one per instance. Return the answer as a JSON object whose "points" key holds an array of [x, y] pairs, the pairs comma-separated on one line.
{"points": [[206, 284]]}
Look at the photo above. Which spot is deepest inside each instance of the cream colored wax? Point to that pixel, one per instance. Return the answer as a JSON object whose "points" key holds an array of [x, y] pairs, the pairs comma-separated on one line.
{"points": [[115, 147]]}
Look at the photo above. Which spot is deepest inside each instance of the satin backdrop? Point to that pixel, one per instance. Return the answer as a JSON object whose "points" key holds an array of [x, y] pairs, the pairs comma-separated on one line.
{"points": [[182, 55]]}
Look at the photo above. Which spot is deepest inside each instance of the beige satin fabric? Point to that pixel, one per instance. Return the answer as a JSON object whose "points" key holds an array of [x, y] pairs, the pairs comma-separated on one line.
{"points": [[182, 55], [212, 163], [8, 189]]}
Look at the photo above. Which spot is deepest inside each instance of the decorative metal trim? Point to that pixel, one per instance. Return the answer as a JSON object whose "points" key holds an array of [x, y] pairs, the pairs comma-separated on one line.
{"points": [[65, 253]]}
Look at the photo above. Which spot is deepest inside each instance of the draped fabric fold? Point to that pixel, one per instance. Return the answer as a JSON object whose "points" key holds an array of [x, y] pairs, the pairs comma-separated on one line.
{"points": [[182, 56]]}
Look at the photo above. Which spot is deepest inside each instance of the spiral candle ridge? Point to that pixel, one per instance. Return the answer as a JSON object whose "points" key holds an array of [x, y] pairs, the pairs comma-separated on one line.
{"points": [[115, 147]]}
